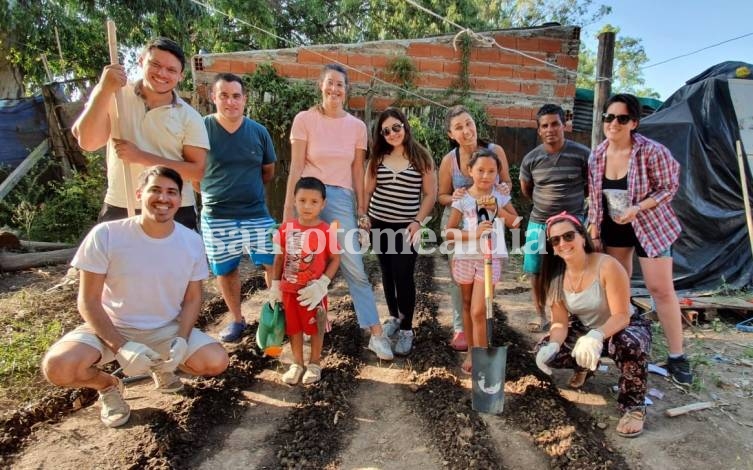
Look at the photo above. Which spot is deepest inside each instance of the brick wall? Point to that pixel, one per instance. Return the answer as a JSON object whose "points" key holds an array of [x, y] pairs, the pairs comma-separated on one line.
{"points": [[511, 86]]}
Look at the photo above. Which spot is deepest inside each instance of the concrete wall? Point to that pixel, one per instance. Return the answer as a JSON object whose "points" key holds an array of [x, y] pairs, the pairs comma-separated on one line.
{"points": [[511, 86]]}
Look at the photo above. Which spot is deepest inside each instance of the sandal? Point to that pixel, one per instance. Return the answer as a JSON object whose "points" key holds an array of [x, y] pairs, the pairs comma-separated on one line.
{"points": [[579, 378], [538, 324], [467, 366], [632, 416]]}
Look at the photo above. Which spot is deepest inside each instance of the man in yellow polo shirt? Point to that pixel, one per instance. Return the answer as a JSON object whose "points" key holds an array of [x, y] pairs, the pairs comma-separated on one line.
{"points": [[157, 127]]}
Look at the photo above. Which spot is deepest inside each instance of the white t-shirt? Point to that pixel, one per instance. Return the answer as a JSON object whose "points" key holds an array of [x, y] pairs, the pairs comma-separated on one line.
{"points": [[162, 131], [146, 278], [472, 249]]}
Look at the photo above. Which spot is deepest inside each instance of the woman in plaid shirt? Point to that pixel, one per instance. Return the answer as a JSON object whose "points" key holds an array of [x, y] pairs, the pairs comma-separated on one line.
{"points": [[646, 170]]}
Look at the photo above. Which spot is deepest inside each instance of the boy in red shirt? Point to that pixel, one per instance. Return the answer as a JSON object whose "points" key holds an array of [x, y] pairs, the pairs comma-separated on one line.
{"points": [[301, 274]]}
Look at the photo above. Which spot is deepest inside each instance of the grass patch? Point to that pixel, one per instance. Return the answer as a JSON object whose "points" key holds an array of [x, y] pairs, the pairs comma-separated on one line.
{"points": [[31, 320], [23, 346]]}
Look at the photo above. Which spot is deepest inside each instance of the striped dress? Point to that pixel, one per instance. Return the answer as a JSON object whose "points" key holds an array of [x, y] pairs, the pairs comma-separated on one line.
{"points": [[397, 197]]}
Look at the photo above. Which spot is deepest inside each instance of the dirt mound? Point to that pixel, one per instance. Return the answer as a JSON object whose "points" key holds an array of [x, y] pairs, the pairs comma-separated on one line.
{"points": [[314, 432]]}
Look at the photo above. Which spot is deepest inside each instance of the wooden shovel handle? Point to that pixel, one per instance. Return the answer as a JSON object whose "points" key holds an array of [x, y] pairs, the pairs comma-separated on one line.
{"points": [[116, 129]]}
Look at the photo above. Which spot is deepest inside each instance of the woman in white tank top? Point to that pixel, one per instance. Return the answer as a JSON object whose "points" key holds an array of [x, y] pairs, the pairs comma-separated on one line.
{"points": [[588, 294]]}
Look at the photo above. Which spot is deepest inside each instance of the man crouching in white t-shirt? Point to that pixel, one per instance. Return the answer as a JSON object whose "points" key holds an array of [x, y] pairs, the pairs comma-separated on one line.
{"points": [[140, 296]]}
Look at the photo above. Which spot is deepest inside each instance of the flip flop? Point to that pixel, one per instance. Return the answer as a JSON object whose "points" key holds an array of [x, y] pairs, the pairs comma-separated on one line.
{"points": [[636, 414], [466, 367]]}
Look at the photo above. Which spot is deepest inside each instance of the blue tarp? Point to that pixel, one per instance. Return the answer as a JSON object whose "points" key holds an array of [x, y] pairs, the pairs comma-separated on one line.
{"points": [[22, 127]]}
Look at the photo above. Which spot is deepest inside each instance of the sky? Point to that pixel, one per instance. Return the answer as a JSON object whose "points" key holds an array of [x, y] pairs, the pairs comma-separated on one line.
{"points": [[671, 28]]}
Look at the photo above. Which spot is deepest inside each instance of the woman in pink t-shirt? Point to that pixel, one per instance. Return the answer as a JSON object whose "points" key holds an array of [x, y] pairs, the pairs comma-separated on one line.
{"points": [[330, 144]]}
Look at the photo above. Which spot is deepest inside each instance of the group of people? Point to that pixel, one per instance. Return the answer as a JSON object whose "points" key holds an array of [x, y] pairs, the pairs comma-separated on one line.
{"points": [[140, 291]]}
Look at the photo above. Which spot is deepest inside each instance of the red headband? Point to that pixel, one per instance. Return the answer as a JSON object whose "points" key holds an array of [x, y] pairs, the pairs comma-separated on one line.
{"points": [[559, 218]]}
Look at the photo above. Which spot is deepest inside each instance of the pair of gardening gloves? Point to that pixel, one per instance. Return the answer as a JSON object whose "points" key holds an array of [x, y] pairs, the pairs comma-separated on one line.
{"points": [[309, 297], [586, 352], [138, 358]]}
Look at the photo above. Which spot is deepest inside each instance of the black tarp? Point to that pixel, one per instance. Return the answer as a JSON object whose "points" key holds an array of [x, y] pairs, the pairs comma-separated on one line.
{"points": [[698, 125]]}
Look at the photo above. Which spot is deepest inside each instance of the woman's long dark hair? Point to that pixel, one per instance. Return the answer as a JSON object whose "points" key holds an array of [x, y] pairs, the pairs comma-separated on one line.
{"points": [[552, 274], [417, 154]]}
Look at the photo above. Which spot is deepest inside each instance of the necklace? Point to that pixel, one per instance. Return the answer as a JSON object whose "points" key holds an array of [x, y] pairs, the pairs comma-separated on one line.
{"points": [[573, 286]]}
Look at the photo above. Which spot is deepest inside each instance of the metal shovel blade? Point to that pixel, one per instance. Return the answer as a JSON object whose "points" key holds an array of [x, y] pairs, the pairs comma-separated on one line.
{"points": [[488, 378]]}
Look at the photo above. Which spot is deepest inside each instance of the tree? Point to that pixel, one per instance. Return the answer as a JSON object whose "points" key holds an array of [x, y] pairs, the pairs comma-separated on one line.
{"points": [[629, 58], [245, 24], [80, 26]]}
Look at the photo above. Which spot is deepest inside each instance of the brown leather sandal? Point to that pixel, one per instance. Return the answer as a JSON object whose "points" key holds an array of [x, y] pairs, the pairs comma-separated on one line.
{"points": [[634, 415], [579, 378]]}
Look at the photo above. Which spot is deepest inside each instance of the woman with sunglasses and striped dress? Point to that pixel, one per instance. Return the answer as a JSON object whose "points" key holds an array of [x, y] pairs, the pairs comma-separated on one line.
{"points": [[401, 188], [588, 296], [642, 174]]}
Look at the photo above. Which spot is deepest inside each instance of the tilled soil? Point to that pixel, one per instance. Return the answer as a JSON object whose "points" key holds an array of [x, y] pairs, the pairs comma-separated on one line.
{"points": [[318, 428]]}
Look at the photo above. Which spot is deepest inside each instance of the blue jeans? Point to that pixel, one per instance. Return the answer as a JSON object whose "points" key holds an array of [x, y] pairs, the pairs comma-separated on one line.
{"points": [[341, 207], [456, 298]]}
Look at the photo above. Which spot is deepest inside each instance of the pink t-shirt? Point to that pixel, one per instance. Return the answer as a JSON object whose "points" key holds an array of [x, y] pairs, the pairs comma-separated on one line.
{"points": [[331, 145]]}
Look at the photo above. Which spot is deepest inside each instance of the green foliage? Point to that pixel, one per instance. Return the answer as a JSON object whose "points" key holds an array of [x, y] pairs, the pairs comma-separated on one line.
{"points": [[402, 70], [27, 27], [274, 101], [463, 83], [430, 136], [55, 211], [627, 76], [24, 345]]}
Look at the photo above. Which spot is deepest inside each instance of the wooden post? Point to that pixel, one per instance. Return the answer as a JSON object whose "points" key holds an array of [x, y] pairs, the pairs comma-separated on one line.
{"points": [[603, 88], [746, 200], [21, 170], [116, 128]]}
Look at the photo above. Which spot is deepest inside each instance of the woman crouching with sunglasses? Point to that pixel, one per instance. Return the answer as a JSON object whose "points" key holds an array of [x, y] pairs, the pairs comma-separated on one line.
{"points": [[588, 294], [642, 221]]}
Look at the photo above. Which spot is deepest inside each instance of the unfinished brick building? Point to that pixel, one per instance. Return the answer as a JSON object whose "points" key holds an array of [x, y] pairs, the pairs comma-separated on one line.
{"points": [[512, 85]]}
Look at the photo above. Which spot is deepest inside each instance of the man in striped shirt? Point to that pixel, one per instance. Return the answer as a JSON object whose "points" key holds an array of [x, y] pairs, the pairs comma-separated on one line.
{"points": [[554, 176]]}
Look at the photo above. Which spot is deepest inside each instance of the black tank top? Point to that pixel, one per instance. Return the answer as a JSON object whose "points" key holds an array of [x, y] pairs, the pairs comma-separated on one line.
{"points": [[612, 233]]}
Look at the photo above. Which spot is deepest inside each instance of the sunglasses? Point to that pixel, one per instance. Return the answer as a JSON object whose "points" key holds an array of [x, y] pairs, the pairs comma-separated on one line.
{"points": [[397, 127], [567, 236], [621, 118]]}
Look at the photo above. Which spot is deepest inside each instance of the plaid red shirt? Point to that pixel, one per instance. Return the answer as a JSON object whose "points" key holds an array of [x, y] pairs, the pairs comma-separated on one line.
{"points": [[652, 172]]}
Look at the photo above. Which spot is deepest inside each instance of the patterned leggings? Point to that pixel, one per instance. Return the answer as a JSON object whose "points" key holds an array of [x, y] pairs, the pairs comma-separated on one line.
{"points": [[630, 349]]}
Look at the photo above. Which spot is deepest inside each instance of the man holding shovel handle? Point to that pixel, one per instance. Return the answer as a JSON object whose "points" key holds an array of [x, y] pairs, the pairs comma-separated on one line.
{"points": [[148, 125]]}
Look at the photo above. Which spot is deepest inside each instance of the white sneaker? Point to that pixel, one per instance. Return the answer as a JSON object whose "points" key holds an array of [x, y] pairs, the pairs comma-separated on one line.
{"points": [[390, 327], [312, 375], [115, 411], [293, 375], [404, 342], [380, 345], [166, 382]]}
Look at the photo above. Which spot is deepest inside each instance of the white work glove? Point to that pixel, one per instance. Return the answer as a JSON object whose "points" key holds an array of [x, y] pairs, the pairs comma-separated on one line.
{"points": [[545, 354], [311, 295], [137, 358], [587, 350], [178, 351], [273, 294]]}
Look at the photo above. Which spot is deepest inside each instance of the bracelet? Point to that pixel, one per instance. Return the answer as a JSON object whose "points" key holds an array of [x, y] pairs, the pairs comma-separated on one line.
{"points": [[416, 221]]}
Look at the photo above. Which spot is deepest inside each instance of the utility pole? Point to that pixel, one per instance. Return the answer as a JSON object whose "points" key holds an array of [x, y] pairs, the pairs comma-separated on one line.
{"points": [[603, 88]]}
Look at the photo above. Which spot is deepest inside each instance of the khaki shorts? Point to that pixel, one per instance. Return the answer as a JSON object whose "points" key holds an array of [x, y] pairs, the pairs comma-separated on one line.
{"points": [[159, 339]]}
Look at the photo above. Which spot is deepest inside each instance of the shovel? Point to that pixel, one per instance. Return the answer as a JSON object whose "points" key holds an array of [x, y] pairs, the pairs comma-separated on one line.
{"points": [[488, 376]]}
